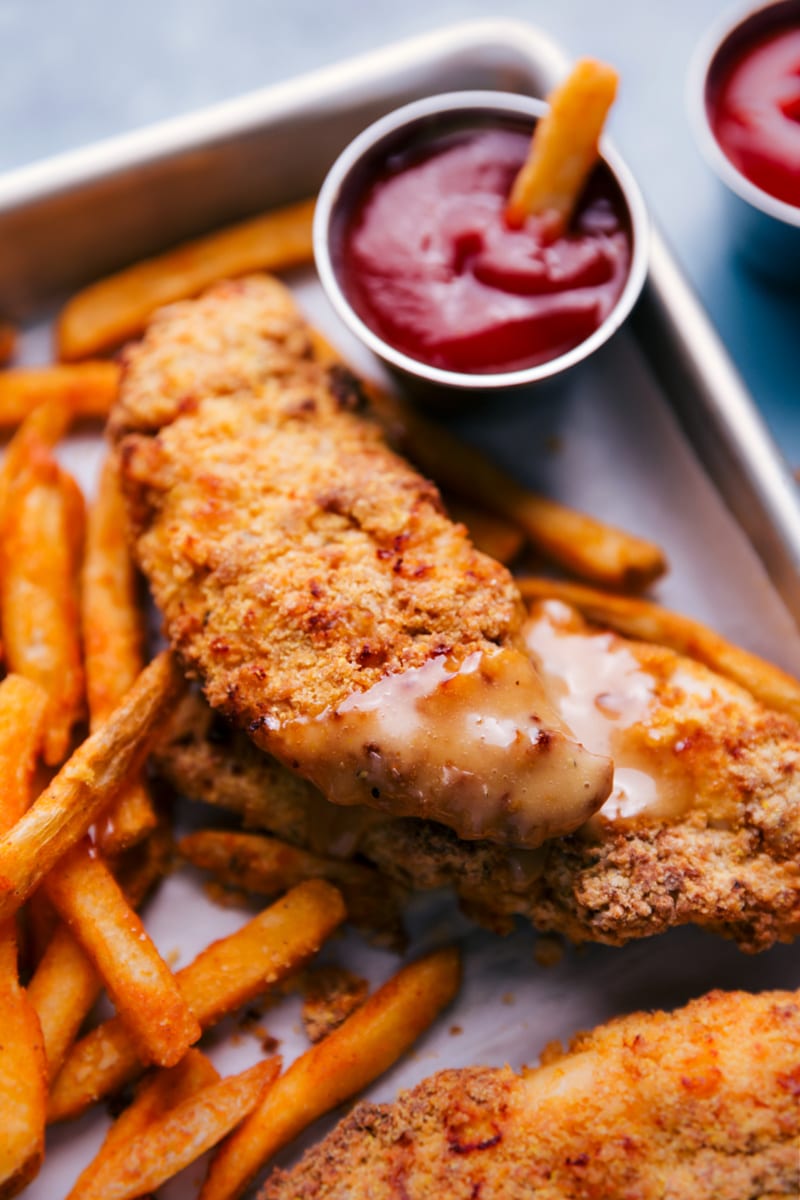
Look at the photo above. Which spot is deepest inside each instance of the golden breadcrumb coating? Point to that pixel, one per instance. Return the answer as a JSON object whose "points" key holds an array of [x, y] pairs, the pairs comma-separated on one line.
{"points": [[699, 1104], [299, 562]]}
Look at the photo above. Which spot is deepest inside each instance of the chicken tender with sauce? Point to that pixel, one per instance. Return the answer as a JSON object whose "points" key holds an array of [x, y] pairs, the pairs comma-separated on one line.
{"points": [[702, 825], [312, 581]]}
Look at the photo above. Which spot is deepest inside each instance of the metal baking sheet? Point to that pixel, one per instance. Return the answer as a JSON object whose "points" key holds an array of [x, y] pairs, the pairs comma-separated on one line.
{"points": [[607, 440]]}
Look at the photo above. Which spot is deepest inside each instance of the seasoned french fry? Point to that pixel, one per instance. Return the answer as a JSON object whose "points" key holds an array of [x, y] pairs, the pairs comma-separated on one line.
{"points": [[564, 148], [268, 866], [65, 983], [41, 526], [8, 342], [142, 987], [582, 544], [648, 622], [106, 313], [113, 640], [62, 990], [360, 1050], [86, 389], [23, 1081], [85, 784], [156, 1095], [493, 535], [180, 1136], [226, 975]]}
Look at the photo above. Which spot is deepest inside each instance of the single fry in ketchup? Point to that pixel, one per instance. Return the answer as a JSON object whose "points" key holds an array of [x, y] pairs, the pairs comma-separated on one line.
{"points": [[648, 622], [564, 148], [117, 308], [8, 342]]}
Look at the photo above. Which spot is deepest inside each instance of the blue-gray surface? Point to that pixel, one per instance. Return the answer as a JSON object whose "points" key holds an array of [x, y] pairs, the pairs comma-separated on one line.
{"points": [[74, 72]]}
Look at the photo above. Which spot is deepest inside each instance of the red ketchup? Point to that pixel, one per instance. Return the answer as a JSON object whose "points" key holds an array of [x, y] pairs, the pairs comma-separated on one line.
{"points": [[429, 263], [755, 113]]}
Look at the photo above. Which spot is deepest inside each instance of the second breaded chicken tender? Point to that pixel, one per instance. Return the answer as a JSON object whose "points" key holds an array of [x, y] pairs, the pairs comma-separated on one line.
{"points": [[310, 578]]}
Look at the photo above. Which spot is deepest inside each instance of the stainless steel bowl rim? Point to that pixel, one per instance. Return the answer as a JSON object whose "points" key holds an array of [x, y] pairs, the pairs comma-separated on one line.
{"points": [[486, 101], [707, 50]]}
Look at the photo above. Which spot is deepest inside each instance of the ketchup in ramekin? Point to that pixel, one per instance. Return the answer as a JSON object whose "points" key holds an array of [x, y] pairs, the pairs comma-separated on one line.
{"points": [[754, 109], [429, 263]]}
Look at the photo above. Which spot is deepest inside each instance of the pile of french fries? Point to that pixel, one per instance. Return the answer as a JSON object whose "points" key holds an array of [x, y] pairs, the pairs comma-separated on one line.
{"points": [[82, 840], [82, 843]]}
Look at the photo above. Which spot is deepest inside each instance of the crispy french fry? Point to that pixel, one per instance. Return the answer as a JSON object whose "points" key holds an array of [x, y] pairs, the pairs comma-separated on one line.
{"points": [[66, 984], [582, 544], [85, 784], [86, 389], [113, 641], [495, 536], [156, 1095], [268, 866], [8, 342], [107, 313], [180, 1136], [62, 990], [141, 986], [226, 975], [360, 1050], [648, 622], [41, 527], [564, 148], [23, 1081]]}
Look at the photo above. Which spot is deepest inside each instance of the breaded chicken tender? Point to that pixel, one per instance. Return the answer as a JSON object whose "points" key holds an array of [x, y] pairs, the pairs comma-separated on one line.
{"points": [[702, 826], [699, 1104], [311, 580]]}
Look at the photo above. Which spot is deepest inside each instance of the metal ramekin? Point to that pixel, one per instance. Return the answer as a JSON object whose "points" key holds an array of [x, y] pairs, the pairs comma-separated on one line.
{"points": [[354, 167], [765, 230]]}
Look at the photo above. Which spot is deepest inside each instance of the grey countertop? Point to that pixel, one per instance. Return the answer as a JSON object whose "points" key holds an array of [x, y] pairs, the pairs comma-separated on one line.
{"points": [[75, 72]]}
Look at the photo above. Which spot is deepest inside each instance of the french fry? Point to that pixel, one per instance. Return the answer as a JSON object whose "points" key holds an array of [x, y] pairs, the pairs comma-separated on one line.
{"points": [[23, 1080], [493, 535], [86, 783], [8, 342], [582, 544], [65, 984], [140, 984], [268, 866], [360, 1050], [113, 640], [564, 148], [41, 527], [86, 389], [114, 309], [228, 974], [180, 1136], [648, 622], [156, 1095]]}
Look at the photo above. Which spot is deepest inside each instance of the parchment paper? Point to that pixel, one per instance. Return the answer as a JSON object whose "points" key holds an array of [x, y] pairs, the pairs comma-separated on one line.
{"points": [[605, 441]]}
